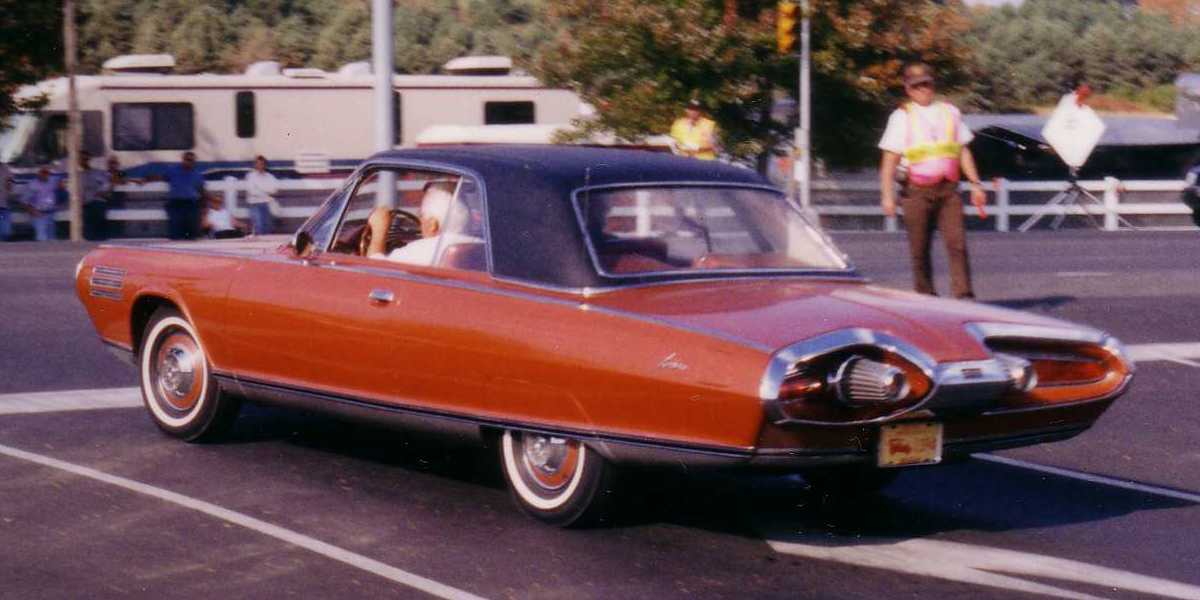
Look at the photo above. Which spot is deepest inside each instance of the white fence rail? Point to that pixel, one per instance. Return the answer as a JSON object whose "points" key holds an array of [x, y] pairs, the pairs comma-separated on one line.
{"points": [[1110, 191]]}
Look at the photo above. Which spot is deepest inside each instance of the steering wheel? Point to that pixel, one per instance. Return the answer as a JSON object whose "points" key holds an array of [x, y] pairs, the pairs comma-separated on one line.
{"points": [[402, 227]]}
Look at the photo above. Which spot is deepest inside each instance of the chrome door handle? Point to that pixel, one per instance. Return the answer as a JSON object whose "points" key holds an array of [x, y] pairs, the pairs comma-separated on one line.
{"points": [[381, 296]]}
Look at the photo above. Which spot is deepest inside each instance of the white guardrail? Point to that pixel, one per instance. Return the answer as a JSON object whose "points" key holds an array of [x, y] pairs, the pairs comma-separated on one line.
{"points": [[231, 188], [1108, 190]]}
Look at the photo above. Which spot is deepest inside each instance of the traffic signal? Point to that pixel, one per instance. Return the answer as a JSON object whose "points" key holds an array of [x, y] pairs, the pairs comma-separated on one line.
{"points": [[787, 13]]}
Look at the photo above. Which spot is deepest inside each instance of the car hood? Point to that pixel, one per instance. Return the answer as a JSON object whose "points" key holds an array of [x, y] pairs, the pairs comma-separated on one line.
{"points": [[776, 313]]}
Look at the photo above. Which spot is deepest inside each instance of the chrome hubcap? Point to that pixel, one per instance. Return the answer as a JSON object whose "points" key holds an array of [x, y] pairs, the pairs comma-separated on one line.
{"points": [[546, 453], [177, 373]]}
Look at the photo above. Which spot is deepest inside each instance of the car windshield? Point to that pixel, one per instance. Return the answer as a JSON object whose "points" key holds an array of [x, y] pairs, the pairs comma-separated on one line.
{"points": [[674, 229]]}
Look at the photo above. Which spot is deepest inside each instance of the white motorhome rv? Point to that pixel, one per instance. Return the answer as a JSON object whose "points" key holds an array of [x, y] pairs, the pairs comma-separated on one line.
{"points": [[307, 119]]}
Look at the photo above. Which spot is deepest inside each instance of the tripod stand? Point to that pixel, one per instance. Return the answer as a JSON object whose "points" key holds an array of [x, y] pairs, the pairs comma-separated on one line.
{"points": [[1074, 195]]}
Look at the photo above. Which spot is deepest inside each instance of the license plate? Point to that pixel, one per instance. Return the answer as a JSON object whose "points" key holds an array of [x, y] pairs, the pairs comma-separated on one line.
{"points": [[905, 444]]}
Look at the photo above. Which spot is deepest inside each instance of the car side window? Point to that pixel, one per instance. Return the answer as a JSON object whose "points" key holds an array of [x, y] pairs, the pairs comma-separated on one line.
{"points": [[436, 221]]}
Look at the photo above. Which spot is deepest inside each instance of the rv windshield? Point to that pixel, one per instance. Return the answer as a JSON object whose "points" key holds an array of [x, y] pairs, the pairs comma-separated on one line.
{"points": [[15, 132]]}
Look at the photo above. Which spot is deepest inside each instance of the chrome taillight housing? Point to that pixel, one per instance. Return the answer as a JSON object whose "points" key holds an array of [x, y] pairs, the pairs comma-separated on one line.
{"points": [[847, 377], [1068, 366]]}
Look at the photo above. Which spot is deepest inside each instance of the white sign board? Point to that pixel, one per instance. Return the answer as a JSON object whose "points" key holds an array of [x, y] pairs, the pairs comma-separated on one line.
{"points": [[1073, 131]]}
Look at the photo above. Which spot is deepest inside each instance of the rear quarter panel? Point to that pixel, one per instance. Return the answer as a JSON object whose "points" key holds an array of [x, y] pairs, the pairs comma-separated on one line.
{"points": [[624, 374]]}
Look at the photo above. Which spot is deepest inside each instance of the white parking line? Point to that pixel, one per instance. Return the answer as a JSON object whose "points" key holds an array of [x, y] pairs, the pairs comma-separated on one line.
{"points": [[1090, 478], [979, 565], [1185, 353], [370, 565], [66, 400]]}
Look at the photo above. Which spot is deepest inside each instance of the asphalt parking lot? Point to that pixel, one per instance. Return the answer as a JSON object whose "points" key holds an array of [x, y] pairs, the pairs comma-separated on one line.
{"points": [[95, 502]]}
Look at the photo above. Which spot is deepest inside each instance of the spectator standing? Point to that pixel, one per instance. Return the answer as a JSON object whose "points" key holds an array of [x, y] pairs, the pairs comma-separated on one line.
{"points": [[5, 193], [96, 188], [929, 139], [41, 200], [261, 187], [695, 135], [186, 191]]}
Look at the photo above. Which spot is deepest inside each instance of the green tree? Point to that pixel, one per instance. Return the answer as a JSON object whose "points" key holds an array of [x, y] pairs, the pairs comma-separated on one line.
{"points": [[30, 46], [108, 30], [346, 38], [1027, 56], [639, 62], [200, 40]]}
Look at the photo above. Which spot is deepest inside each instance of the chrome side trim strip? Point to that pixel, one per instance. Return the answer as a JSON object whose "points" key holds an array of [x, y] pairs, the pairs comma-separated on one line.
{"points": [[983, 331], [106, 282]]}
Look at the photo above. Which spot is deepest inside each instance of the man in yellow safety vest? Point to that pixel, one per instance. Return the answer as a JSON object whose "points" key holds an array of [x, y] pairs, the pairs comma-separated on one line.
{"points": [[927, 140], [694, 134]]}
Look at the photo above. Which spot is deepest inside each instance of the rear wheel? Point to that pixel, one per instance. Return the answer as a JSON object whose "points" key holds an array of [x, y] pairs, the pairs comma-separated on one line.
{"points": [[177, 385], [556, 480]]}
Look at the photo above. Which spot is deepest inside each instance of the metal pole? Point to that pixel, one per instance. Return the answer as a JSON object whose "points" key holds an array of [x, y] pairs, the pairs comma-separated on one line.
{"points": [[382, 64], [74, 184], [803, 134]]}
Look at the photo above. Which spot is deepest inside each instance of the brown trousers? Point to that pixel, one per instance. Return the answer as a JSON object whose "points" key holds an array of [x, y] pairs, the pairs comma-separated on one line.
{"points": [[937, 206]]}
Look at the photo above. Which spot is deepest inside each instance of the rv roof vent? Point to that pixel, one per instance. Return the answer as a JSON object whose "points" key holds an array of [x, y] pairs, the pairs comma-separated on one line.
{"points": [[305, 73], [140, 64], [263, 68], [479, 65], [355, 69]]}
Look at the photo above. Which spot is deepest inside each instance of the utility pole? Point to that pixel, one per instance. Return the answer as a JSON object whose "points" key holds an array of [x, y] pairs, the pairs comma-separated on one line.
{"points": [[74, 182], [804, 133], [382, 63]]}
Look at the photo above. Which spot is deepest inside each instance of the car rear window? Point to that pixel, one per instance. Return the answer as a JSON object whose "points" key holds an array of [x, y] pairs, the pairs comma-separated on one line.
{"points": [[636, 231]]}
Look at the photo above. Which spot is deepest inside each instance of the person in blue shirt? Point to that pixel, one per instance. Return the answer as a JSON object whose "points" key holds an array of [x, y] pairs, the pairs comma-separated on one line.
{"points": [[184, 198], [41, 201]]}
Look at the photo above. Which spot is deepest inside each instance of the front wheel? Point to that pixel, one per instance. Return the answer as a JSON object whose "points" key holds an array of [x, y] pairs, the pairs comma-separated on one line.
{"points": [[177, 385], [556, 480]]}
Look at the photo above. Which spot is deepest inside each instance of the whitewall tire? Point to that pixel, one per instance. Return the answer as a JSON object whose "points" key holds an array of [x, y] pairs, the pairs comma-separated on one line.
{"points": [[555, 479], [177, 385]]}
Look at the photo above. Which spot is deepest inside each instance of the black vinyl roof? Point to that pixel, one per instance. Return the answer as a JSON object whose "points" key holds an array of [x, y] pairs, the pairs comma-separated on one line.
{"points": [[534, 232], [576, 166]]}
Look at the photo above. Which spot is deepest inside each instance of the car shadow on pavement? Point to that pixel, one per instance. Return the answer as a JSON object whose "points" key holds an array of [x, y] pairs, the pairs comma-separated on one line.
{"points": [[969, 495], [460, 459]]}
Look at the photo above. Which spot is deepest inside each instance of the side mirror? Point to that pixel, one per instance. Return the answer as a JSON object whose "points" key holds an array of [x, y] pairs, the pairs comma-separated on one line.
{"points": [[302, 243]]}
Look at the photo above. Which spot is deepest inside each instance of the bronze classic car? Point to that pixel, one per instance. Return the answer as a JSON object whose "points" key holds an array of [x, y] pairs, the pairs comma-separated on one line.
{"points": [[587, 310]]}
